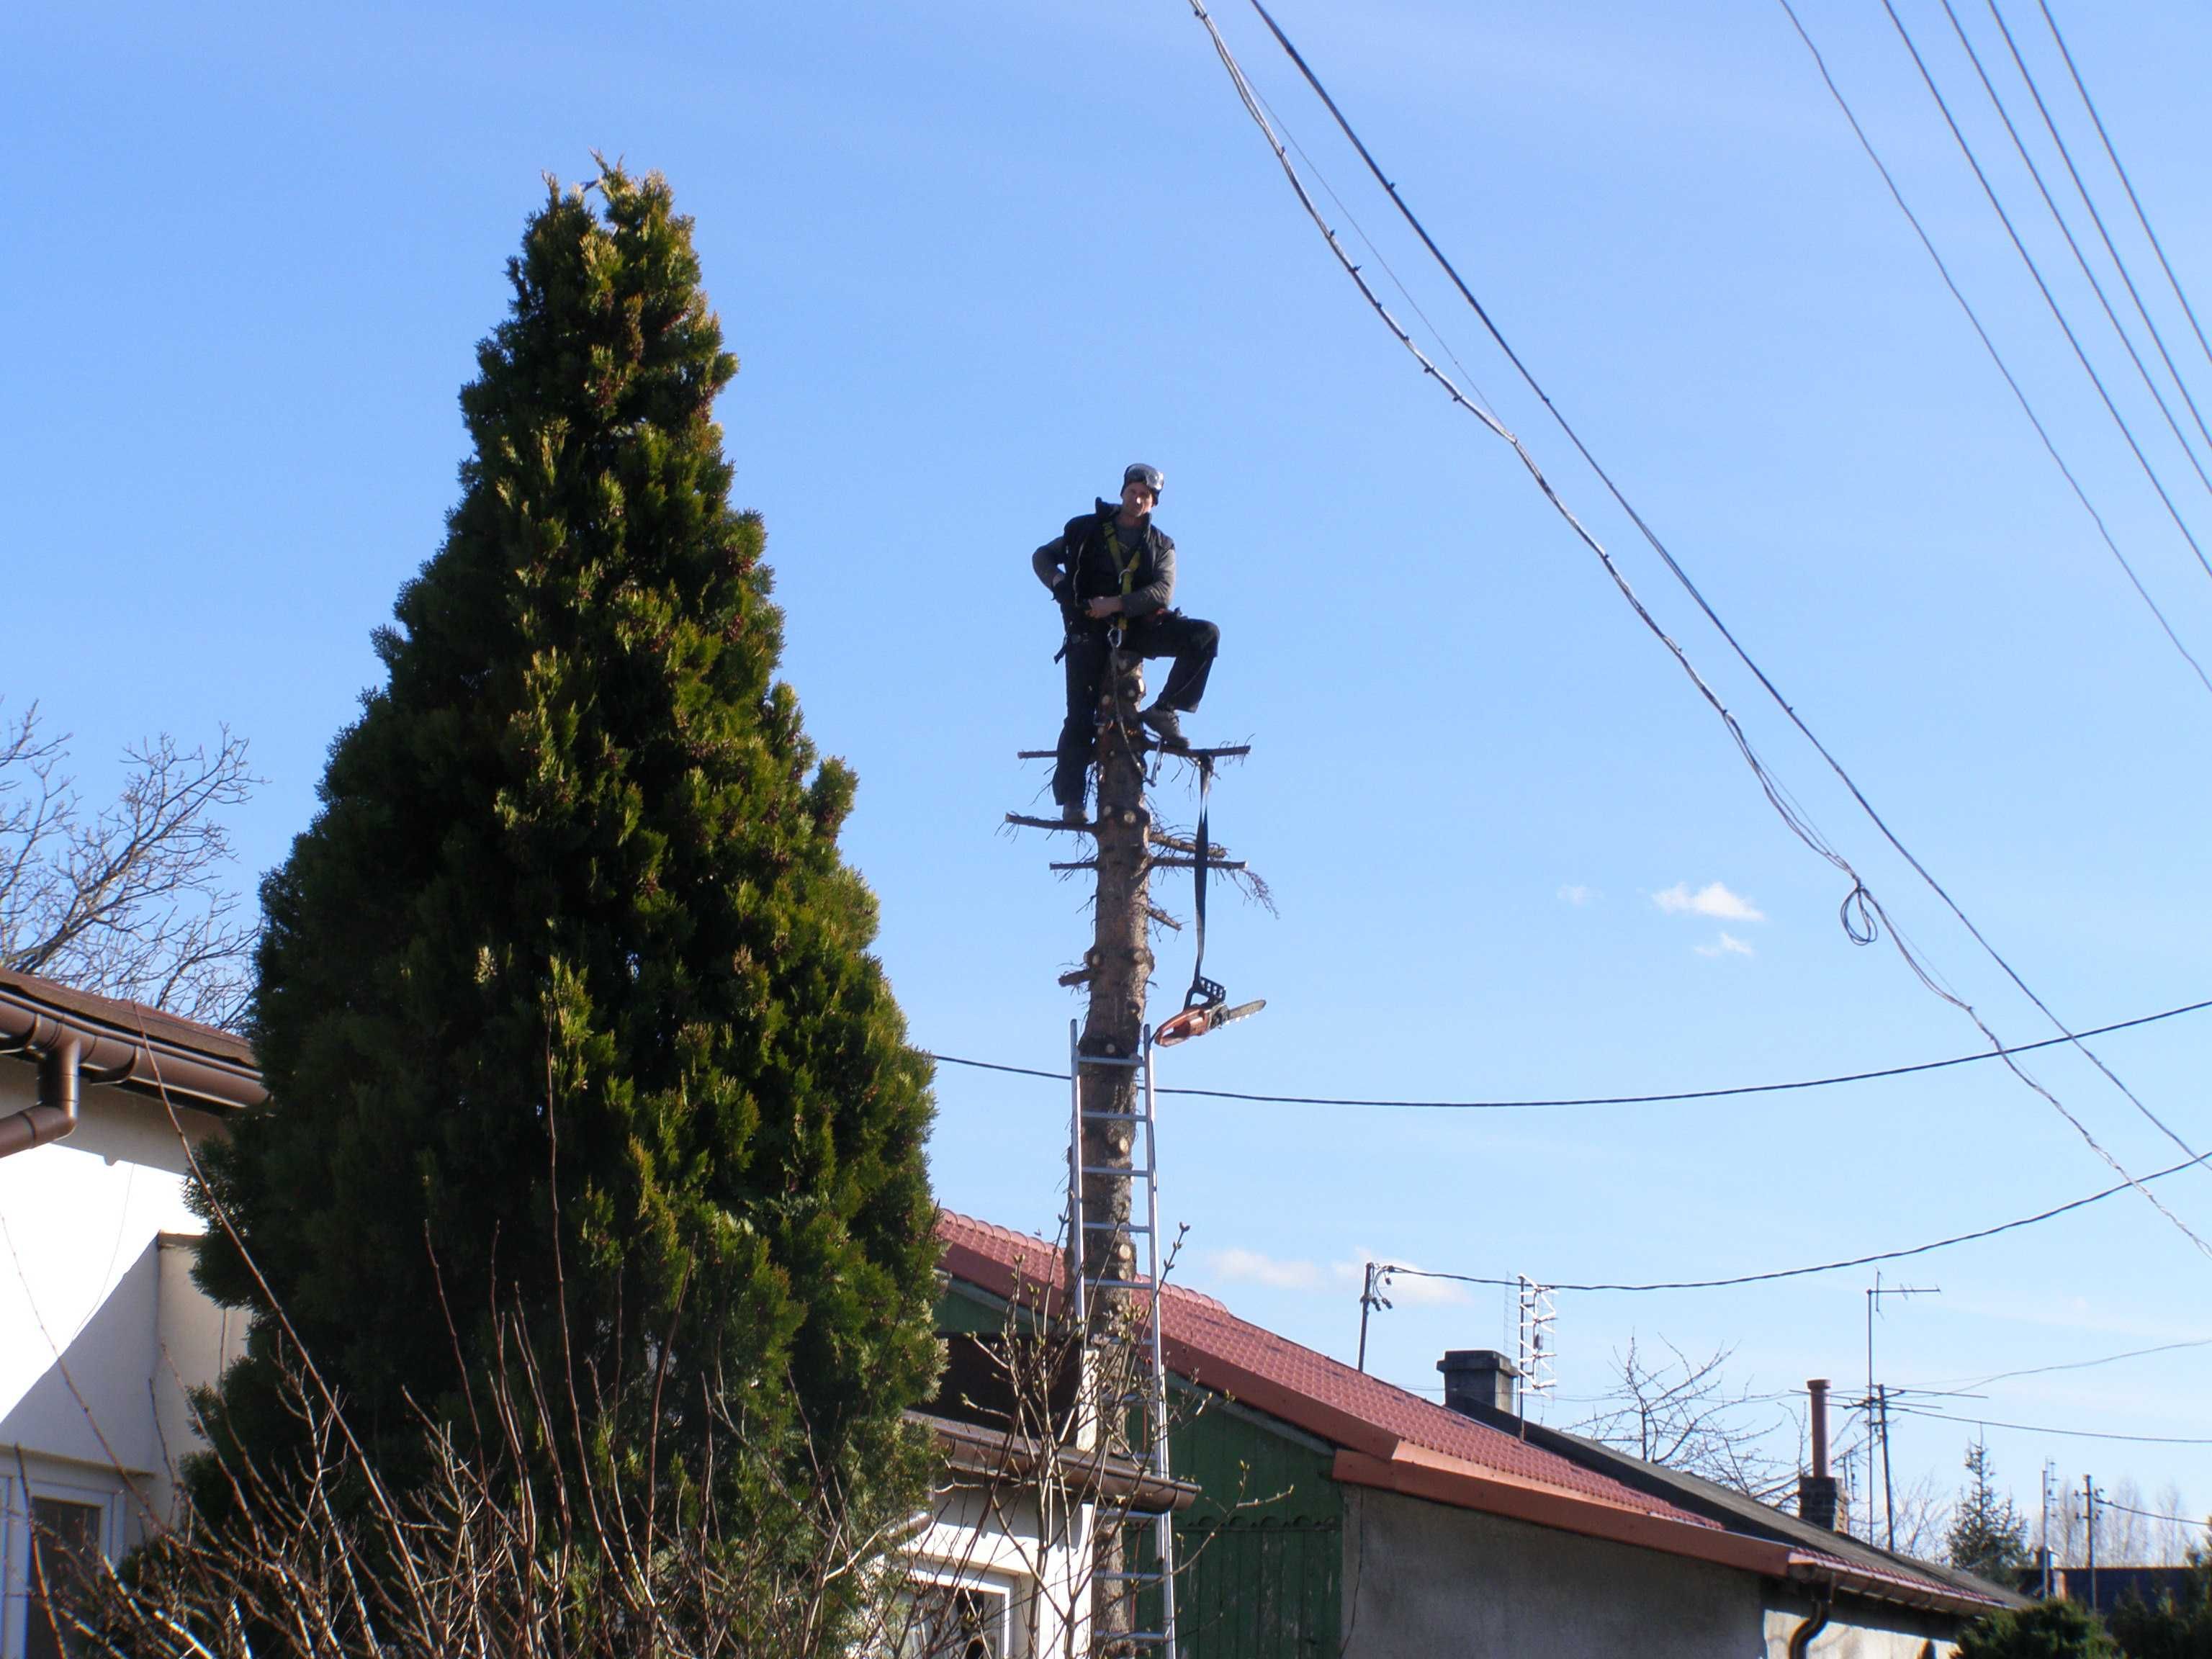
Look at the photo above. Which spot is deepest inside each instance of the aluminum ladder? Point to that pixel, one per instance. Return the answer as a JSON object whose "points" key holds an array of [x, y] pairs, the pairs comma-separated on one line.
{"points": [[1148, 1392]]}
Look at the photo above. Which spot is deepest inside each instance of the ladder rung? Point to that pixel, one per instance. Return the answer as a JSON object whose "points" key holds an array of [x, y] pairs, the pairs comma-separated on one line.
{"points": [[1115, 1227], [1131, 1577], [1135, 1172], [1118, 1284], [1115, 1117], [1108, 1060]]}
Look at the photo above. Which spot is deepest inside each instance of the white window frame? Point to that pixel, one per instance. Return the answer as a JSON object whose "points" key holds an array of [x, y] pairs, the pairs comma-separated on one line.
{"points": [[15, 1543], [1007, 1588]]}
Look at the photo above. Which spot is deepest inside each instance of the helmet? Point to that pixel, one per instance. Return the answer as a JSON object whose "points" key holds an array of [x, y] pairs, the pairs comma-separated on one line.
{"points": [[1151, 476]]}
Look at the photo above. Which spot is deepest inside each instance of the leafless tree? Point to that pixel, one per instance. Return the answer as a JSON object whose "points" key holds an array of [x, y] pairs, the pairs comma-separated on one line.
{"points": [[1684, 1414], [1923, 1520], [132, 899]]}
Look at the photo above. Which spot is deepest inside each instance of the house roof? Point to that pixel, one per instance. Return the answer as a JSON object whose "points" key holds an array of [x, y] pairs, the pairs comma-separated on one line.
{"points": [[1389, 1438], [135, 1046], [1850, 1558], [1206, 1344]]}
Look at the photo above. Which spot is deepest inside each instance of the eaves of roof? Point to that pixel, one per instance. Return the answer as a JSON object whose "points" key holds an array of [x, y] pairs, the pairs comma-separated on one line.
{"points": [[132, 1046]]}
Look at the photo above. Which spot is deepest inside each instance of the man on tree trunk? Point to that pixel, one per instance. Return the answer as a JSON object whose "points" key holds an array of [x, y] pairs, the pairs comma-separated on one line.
{"points": [[1112, 572]]}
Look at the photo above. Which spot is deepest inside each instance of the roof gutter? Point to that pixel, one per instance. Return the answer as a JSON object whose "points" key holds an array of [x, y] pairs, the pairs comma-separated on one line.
{"points": [[74, 1048]]}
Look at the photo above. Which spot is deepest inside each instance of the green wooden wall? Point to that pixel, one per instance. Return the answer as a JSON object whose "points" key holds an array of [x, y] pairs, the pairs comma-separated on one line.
{"points": [[1259, 1555]]}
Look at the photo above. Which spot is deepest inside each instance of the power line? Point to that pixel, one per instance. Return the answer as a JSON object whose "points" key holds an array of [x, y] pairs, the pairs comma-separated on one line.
{"points": [[2020, 394], [1862, 913], [1612, 1100], [2051, 1213], [2066, 230], [2088, 1365], [2045, 1428], [2034, 271], [2127, 183], [2088, 201], [2105, 1503]]}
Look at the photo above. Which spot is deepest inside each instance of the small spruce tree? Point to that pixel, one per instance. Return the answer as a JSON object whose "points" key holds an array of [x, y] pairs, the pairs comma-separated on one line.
{"points": [[566, 1006], [2042, 1630], [1988, 1534]]}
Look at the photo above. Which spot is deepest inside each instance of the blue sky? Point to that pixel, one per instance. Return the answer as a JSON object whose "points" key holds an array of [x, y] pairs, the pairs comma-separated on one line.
{"points": [[973, 258]]}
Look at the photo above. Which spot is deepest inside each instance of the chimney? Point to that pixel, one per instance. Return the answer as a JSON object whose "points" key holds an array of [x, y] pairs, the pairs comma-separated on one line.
{"points": [[1479, 1382], [1816, 1492]]}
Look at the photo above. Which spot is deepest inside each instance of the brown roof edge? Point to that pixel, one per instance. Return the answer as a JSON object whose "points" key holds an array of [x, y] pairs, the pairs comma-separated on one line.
{"points": [[1465, 1489], [972, 1449], [1811, 1566], [132, 1047]]}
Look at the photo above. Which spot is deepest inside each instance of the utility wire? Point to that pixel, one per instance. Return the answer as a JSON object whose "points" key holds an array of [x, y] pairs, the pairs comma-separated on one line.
{"points": [[2045, 1428], [2105, 1503], [2089, 369], [2127, 183], [1990, 345], [2088, 1365], [2051, 1213], [1862, 913], [2067, 231], [2088, 201], [1609, 1100]]}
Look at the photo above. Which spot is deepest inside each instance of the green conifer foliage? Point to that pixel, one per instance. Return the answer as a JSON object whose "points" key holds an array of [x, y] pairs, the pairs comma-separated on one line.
{"points": [[573, 902], [1988, 1534]]}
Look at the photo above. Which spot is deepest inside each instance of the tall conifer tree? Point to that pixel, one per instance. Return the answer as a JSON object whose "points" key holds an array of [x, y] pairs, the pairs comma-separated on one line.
{"points": [[567, 984]]}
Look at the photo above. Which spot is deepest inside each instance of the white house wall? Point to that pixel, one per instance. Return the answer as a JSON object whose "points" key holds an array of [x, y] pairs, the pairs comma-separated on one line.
{"points": [[101, 1330]]}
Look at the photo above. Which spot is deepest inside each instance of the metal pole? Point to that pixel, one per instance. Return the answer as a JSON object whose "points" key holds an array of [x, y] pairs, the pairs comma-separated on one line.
{"points": [[1366, 1301], [2043, 1534], [1889, 1497], [2089, 1497]]}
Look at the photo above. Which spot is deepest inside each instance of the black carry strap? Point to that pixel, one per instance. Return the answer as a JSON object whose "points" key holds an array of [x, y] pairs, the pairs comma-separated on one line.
{"points": [[1203, 991]]}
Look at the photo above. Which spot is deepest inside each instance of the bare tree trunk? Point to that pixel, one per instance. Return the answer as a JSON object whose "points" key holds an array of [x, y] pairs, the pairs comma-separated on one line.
{"points": [[1120, 962]]}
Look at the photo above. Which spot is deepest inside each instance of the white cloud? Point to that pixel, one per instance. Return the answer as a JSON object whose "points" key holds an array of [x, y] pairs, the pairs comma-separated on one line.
{"points": [[1728, 945], [1575, 894], [1346, 1278], [1409, 1292], [1713, 900], [1252, 1268]]}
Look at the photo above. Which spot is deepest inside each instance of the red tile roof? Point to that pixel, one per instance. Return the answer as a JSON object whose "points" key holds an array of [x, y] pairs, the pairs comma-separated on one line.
{"points": [[1397, 1441], [1206, 1344]]}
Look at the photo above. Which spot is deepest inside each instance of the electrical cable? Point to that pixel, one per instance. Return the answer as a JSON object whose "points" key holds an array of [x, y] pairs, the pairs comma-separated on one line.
{"points": [[2020, 394], [2057, 314], [1862, 913], [1607, 1100], [2066, 230], [2045, 1428], [2088, 201], [2127, 183], [1828, 1266], [2088, 1365], [2105, 1503]]}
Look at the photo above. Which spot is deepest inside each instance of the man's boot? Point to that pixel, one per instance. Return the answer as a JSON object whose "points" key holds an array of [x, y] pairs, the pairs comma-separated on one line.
{"points": [[1162, 720]]}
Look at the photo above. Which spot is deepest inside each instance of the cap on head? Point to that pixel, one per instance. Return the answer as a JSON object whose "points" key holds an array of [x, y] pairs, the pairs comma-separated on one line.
{"points": [[1151, 476]]}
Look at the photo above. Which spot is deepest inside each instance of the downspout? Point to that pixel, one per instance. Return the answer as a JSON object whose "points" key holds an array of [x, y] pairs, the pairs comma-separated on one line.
{"points": [[1824, 1598], [73, 1049], [61, 1066]]}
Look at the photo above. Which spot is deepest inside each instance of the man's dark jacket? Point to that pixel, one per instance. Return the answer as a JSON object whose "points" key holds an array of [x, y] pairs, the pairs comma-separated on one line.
{"points": [[1083, 549]]}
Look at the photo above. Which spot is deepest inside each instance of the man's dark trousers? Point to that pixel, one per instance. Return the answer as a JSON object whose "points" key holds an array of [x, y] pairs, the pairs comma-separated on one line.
{"points": [[1191, 642]]}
